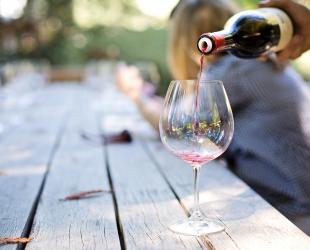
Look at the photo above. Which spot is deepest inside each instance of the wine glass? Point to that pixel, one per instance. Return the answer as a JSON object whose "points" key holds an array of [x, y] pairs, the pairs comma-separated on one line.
{"points": [[197, 126]]}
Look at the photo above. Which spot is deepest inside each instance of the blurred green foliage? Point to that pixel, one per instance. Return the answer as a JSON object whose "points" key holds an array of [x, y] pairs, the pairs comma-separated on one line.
{"points": [[247, 3], [67, 43], [112, 43]]}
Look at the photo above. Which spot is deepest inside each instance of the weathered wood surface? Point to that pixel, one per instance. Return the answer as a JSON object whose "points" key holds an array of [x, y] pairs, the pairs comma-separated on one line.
{"points": [[250, 222], [78, 165], [24, 157], [151, 189], [146, 205]]}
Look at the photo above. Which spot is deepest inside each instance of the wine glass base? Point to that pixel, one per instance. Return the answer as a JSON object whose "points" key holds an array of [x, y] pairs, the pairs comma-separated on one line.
{"points": [[197, 228]]}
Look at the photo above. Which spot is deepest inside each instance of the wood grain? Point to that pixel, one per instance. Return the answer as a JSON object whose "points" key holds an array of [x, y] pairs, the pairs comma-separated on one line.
{"points": [[150, 188], [146, 205], [250, 222], [25, 155], [78, 166]]}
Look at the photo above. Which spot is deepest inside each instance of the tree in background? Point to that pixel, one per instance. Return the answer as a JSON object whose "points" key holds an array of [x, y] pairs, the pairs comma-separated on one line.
{"points": [[75, 31], [46, 25]]}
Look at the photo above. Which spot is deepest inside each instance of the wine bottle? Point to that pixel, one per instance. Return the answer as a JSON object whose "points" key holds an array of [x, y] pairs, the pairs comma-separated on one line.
{"points": [[250, 34]]}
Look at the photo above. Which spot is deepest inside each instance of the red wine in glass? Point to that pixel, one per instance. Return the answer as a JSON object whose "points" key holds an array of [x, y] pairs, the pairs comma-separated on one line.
{"points": [[194, 158]]}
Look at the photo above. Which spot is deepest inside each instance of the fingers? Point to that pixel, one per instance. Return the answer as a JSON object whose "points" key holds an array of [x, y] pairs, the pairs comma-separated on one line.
{"points": [[297, 51], [295, 47], [274, 3], [292, 51], [263, 58]]}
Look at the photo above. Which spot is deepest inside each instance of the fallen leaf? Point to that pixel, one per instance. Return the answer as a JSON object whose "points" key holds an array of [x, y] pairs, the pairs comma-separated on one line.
{"points": [[14, 240], [82, 195], [207, 242], [122, 137]]}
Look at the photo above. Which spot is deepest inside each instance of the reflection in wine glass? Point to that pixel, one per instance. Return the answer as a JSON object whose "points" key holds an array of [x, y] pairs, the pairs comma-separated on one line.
{"points": [[196, 125]]}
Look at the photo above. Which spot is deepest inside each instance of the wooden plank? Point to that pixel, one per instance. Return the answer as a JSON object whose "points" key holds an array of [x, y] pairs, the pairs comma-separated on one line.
{"points": [[251, 223], [24, 157], [145, 202], [146, 205], [78, 166]]}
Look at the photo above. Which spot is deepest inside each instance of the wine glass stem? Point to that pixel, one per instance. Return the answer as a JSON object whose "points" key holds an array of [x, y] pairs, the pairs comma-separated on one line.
{"points": [[196, 171]]}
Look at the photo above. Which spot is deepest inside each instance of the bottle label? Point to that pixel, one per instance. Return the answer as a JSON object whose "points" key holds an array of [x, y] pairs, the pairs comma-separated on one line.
{"points": [[285, 25]]}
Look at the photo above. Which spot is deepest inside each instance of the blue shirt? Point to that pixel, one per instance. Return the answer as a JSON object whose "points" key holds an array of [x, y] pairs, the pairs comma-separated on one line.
{"points": [[271, 143]]}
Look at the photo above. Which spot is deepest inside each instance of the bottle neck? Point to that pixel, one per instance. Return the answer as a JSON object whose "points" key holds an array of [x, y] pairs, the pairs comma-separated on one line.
{"points": [[223, 40], [215, 42]]}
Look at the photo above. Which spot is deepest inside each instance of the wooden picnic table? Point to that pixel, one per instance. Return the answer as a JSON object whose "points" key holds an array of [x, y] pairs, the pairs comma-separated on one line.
{"points": [[146, 188]]}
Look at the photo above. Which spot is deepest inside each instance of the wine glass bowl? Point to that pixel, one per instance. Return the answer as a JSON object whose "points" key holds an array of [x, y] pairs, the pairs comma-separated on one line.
{"points": [[196, 125], [196, 133]]}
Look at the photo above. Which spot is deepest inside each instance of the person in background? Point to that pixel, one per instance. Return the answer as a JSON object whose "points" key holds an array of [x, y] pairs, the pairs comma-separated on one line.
{"points": [[270, 149]]}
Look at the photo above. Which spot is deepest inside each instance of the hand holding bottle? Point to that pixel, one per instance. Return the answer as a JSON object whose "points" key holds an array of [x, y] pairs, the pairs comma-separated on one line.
{"points": [[300, 16], [250, 34]]}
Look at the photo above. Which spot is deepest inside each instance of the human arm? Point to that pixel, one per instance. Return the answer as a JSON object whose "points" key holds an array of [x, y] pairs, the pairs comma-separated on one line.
{"points": [[150, 108], [130, 82]]}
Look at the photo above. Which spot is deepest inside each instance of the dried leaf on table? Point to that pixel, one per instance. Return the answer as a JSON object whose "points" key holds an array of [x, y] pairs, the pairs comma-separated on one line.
{"points": [[14, 240], [207, 242], [85, 194], [122, 137]]}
